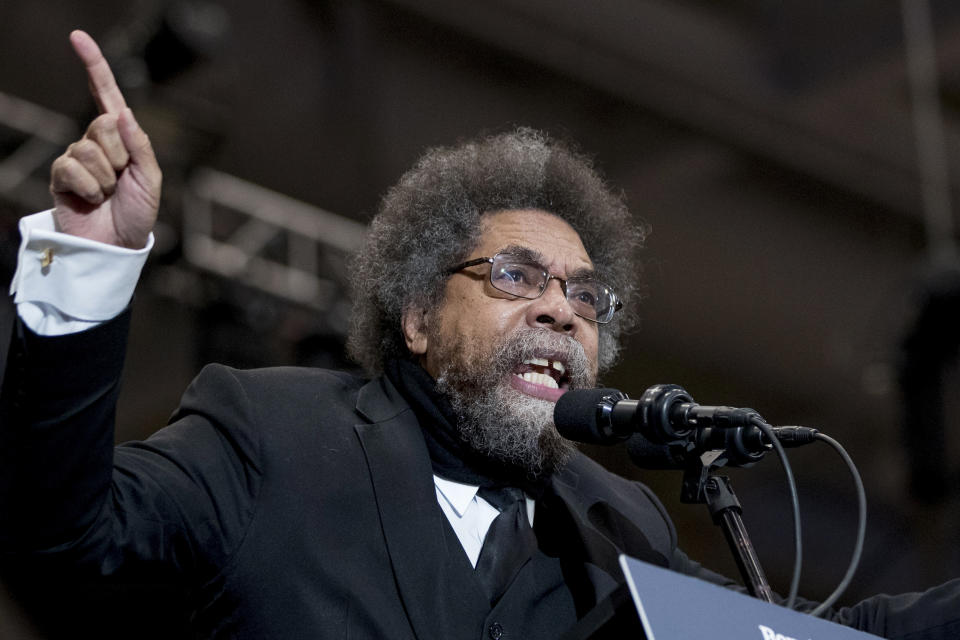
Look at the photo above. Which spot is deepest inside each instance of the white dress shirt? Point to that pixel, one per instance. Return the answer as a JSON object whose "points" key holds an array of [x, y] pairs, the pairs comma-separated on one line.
{"points": [[65, 284], [469, 514]]}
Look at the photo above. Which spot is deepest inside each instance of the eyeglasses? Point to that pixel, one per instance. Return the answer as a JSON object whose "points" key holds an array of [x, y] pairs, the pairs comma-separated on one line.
{"points": [[589, 298]]}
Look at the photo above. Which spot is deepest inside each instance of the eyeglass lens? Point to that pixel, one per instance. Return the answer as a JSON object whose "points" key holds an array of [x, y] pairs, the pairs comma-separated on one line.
{"points": [[588, 298]]}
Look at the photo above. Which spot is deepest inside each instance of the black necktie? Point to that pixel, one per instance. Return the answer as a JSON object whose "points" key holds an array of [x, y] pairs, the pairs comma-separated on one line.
{"points": [[509, 542]]}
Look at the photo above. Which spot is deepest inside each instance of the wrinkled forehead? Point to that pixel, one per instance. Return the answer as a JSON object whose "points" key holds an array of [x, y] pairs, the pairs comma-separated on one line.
{"points": [[535, 234]]}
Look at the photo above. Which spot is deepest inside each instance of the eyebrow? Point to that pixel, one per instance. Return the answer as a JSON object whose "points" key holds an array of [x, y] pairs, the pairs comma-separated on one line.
{"points": [[532, 255]]}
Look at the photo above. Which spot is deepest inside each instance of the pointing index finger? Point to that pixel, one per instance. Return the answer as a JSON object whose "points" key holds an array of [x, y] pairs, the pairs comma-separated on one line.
{"points": [[103, 86]]}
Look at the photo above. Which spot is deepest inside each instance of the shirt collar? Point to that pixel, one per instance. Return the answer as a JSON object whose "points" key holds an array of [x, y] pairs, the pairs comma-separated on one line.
{"points": [[457, 494]]}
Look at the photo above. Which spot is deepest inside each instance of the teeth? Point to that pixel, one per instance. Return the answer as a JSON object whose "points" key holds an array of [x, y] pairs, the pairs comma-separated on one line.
{"points": [[543, 362], [539, 378]]}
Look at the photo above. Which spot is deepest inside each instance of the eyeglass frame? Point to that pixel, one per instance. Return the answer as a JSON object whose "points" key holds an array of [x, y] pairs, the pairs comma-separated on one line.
{"points": [[617, 303]]}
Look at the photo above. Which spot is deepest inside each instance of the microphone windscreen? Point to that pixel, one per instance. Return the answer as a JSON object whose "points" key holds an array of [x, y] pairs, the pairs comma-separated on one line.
{"points": [[575, 415]]}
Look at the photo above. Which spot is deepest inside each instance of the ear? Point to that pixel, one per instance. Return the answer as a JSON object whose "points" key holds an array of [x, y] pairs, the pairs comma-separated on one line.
{"points": [[414, 325]]}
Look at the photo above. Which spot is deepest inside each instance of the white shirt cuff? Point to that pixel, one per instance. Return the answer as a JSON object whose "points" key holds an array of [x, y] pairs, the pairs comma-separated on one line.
{"points": [[64, 284]]}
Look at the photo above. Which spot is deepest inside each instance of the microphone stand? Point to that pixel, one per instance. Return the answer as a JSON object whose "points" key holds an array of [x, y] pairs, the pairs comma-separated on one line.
{"points": [[699, 487], [609, 619]]}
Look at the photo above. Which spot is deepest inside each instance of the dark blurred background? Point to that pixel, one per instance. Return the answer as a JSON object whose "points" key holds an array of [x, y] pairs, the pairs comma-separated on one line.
{"points": [[801, 261]]}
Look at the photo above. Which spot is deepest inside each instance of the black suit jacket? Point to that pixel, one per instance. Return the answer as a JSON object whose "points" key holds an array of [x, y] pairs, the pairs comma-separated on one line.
{"points": [[297, 503]]}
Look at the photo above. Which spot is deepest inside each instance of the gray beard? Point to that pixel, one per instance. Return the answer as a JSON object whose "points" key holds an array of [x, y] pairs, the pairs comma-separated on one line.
{"points": [[496, 420]]}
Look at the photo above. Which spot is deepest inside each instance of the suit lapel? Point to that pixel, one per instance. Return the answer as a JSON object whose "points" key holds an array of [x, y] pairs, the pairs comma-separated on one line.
{"points": [[588, 534], [413, 524]]}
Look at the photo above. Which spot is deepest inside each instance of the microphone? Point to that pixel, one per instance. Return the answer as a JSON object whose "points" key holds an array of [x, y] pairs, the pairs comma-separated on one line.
{"points": [[666, 428], [665, 414]]}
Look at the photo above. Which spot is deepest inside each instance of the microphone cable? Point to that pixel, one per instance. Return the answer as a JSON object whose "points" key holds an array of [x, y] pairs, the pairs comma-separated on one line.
{"points": [[861, 525], [767, 430]]}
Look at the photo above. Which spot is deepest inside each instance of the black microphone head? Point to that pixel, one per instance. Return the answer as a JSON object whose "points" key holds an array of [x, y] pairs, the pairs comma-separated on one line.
{"points": [[577, 415]]}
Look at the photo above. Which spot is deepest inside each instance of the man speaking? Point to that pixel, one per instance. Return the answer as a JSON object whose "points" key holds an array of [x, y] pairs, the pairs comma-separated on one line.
{"points": [[433, 499]]}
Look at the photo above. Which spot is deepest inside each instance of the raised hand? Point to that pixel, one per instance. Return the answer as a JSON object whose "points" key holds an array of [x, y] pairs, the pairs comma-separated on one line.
{"points": [[106, 186]]}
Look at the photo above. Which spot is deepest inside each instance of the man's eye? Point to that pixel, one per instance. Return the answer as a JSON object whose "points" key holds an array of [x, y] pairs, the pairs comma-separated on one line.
{"points": [[586, 297], [515, 275], [583, 293]]}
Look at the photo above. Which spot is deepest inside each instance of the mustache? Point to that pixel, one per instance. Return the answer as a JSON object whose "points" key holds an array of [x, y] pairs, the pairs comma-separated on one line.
{"points": [[524, 344]]}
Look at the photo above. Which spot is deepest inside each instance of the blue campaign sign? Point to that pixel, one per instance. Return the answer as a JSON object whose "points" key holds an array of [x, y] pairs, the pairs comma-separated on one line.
{"points": [[672, 606]]}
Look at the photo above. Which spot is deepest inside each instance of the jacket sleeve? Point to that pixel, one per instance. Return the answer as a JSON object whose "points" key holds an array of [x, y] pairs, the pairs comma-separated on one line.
{"points": [[178, 501]]}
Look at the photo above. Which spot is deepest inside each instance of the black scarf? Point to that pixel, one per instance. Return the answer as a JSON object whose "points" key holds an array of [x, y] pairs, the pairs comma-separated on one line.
{"points": [[450, 457]]}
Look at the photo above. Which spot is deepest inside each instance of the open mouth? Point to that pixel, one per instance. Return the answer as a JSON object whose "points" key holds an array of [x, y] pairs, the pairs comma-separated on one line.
{"points": [[544, 372], [544, 378]]}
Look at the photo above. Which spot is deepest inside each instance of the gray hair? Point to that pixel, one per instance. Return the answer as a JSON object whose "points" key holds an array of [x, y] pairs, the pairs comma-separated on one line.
{"points": [[430, 221]]}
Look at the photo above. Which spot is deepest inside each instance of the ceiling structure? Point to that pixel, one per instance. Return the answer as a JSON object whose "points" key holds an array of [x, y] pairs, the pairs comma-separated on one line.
{"points": [[771, 147]]}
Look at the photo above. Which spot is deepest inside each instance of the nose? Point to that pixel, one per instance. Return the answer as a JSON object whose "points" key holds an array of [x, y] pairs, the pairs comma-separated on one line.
{"points": [[552, 310]]}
